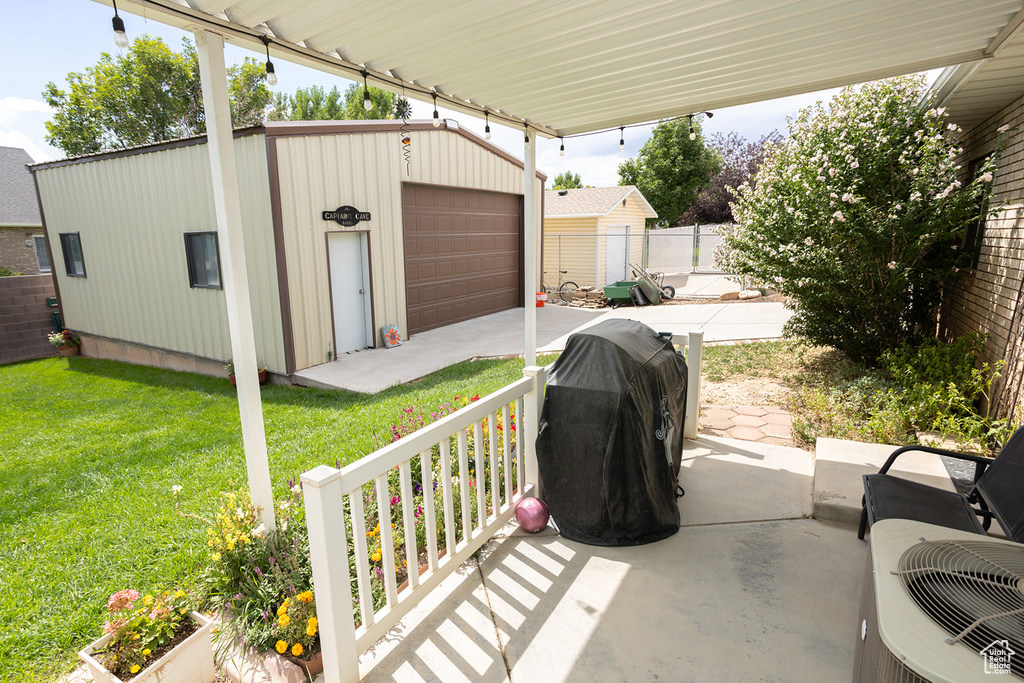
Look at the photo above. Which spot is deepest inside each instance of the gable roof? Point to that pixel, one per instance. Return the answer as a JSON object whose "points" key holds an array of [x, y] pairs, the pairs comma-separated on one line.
{"points": [[18, 202], [592, 202]]}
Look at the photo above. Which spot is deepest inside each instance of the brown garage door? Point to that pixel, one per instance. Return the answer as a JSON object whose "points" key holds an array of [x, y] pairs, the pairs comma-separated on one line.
{"points": [[462, 254]]}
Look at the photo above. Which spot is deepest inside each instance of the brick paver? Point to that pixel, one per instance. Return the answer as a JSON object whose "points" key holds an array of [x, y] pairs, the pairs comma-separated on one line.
{"points": [[767, 424]]}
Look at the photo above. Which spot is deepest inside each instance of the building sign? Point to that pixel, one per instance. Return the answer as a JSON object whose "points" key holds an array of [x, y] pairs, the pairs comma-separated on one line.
{"points": [[346, 215]]}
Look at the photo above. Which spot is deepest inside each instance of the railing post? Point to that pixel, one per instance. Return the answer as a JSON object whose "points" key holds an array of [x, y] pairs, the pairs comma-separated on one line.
{"points": [[695, 349], [531, 418], [328, 550]]}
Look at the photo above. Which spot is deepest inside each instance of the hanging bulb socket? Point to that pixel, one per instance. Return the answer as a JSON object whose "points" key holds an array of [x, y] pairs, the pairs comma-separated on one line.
{"points": [[561, 148], [487, 126], [120, 37], [526, 138], [693, 133], [271, 75], [622, 138], [367, 102]]}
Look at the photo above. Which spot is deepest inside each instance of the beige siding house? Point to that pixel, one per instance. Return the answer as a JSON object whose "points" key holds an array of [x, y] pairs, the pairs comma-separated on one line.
{"points": [[983, 98], [593, 233], [342, 237]]}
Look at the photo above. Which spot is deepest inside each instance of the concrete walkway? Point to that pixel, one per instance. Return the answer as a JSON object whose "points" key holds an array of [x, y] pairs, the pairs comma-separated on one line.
{"points": [[502, 334], [750, 589]]}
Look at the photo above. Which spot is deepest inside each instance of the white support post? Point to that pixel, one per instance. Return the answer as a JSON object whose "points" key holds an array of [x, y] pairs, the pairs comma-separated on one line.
{"points": [[695, 350], [531, 418], [530, 232], [220, 142], [328, 551]]}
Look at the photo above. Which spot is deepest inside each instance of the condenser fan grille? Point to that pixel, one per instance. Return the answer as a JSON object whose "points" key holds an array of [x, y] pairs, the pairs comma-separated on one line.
{"points": [[972, 589]]}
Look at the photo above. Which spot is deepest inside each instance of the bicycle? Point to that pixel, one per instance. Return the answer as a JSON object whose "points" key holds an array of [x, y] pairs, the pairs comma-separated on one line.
{"points": [[565, 288]]}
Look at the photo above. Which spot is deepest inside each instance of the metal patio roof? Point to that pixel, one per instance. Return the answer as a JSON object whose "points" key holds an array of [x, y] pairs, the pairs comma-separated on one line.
{"points": [[572, 66]]}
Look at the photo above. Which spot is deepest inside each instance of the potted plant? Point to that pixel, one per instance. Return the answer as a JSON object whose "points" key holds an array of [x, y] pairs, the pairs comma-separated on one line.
{"points": [[152, 638], [230, 368], [66, 341]]}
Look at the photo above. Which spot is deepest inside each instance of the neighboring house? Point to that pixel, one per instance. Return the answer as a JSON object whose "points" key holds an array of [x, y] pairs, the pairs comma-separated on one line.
{"points": [[434, 242], [593, 233], [22, 242], [983, 97]]}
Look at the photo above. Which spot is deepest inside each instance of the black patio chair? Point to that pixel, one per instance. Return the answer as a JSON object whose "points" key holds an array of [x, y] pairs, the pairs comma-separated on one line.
{"points": [[998, 493]]}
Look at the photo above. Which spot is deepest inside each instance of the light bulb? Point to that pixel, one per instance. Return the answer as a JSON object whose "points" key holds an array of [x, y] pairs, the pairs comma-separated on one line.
{"points": [[561, 150], [120, 38], [622, 145], [526, 140], [271, 76], [437, 121], [693, 134], [622, 138], [367, 102], [487, 132]]}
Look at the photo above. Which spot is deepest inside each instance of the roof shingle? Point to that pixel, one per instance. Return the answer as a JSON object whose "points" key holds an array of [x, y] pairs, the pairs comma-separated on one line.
{"points": [[18, 203]]}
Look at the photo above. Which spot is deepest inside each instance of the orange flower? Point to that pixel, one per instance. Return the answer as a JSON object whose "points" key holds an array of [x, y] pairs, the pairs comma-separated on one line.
{"points": [[296, 649]]}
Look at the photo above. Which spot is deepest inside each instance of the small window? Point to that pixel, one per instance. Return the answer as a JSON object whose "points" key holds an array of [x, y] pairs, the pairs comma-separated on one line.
{"points": [[71, 245], [203, 260], [42, 253]]}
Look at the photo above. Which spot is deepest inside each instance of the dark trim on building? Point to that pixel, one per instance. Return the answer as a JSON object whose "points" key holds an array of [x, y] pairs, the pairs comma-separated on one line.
{"points": [[277, 219], [140, 149], [49, 247]]}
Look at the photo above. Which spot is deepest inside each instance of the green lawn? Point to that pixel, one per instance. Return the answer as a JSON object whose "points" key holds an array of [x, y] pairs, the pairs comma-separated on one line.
{"points": [[89, 451]]}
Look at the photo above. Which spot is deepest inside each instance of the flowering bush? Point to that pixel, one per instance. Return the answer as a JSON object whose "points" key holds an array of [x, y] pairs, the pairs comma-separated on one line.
{"points": [[141, 627], [65, 338], [296, 626], [859, 215]]}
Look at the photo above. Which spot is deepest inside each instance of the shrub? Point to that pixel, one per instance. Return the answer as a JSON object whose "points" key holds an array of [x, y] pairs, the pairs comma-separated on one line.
{"points": [[858, 216]]}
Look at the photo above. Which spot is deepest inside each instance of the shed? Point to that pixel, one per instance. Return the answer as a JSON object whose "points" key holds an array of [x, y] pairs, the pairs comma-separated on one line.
{"points": [[594, 233], [343, 235], [22, 242]]}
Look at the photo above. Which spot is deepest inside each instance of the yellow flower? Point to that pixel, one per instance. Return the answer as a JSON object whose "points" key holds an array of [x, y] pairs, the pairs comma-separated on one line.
{"points": [[284, 620], [311, 631], [145, 652], [296, 649], [135, 668], [179, 593], [313, 621], [281, 646], [306, 596], [148, 600], [376, 556], [215, 556]]}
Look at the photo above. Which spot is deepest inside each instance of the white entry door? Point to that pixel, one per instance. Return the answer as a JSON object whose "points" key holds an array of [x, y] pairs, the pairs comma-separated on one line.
{"points": [[350, 290], [616, 253]]}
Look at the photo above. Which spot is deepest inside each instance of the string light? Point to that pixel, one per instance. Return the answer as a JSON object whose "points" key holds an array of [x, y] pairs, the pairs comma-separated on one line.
{"points": [[561, 148], [526, 137], [271, 76], [437, 120], [622, 138], [367, 102], [120, 37], [693, 134], [487, 126]]}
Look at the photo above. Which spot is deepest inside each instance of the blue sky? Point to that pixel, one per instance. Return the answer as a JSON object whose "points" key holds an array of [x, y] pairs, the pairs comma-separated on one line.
{"points": [[46, 40]]}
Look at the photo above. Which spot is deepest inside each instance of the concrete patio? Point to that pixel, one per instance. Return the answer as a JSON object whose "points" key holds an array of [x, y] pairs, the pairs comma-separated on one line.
{"points": [[502, 334], [761, 583]]}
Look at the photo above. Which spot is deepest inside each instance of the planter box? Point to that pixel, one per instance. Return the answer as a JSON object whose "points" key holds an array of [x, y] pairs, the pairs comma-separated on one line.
{"points": [[69, 350], [190, 662]]}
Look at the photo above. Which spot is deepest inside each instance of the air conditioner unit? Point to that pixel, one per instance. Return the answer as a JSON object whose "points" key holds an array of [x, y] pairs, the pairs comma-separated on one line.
{"points": [[940, 605]]}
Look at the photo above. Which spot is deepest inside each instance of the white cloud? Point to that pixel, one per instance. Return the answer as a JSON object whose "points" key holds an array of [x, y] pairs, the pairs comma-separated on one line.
{"points": [[13, 138], [14, 109]]}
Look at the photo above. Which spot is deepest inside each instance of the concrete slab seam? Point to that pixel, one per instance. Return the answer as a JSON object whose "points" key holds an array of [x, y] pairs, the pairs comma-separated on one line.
{"points": [[494, 620], [748, 521]]}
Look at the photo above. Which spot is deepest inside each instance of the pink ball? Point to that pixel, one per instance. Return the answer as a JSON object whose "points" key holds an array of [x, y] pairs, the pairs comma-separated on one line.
{"points": [[532, 515]]}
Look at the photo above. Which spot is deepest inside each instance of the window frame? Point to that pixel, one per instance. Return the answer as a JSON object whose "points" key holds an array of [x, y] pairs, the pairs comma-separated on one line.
{"points": [[65, 241], [192, 279], [36, 239]]}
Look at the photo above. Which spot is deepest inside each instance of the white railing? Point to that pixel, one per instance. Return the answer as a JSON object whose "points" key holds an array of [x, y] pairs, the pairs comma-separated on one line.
{"points": [[513, 472]]}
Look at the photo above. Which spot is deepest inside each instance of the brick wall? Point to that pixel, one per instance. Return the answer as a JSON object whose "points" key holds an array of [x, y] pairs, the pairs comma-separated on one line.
{"points": [[15, 254], [25, 317], [990, 299]]}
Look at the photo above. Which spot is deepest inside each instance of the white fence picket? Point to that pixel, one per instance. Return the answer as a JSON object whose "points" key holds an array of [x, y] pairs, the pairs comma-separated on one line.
{"points": [[408, 510], [506, 429], [480, 474], [492, 440], [355, 499], [387, 544], [429, 518]]}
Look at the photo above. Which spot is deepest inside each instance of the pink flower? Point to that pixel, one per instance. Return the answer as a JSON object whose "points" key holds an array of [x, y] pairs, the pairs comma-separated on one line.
{"points": [[987, 177], [122, 600]]}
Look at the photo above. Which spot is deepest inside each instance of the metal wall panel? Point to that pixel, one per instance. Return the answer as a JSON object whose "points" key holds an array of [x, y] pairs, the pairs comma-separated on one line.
{"points": [[571, 243], [132, 212], [366, 170]]}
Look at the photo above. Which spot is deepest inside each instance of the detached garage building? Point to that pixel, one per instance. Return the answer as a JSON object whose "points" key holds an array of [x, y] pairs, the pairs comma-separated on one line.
{"points": [[344, 233]]}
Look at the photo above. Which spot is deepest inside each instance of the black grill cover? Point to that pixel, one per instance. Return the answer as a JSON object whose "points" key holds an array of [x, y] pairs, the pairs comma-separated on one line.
{"points": [[611, 435]]}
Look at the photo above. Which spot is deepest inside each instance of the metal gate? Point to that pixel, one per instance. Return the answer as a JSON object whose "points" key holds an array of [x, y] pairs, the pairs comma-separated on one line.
{"points": [[685, 249]]}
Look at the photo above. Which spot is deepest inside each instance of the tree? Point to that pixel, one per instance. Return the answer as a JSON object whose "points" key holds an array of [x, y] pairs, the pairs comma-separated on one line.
{"points": [[858, 216], [315, 104], [740, 161], [671, 168], [148, 94], [567, 181]]}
